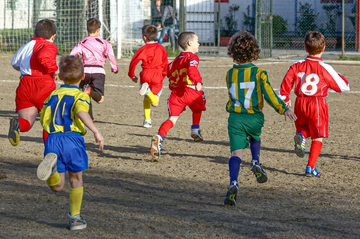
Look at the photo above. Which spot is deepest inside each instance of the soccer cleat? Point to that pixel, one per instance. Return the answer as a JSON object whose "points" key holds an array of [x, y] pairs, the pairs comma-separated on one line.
{"points": [[155, 150], [299, 145], [47, 167], [259, 172], [14, 132], [147, 123], [76, 222], [196, 135], [309, 172], [87, 89], [144, 89], [230, 198]]}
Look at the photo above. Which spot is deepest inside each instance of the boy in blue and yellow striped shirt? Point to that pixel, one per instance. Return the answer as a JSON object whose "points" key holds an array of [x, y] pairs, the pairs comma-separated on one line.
{"points": [[248, 87], [64, 117]]}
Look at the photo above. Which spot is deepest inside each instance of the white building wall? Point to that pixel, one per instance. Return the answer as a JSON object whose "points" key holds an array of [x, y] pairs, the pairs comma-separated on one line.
{"points": [[21, 14]]}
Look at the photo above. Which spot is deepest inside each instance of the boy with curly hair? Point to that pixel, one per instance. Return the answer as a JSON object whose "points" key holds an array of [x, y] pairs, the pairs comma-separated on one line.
{"points": [[248, 87]]}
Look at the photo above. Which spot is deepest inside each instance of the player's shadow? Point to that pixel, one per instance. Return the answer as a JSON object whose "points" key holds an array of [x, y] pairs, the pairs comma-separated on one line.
{"points": [[115, 123], [7, 113]]}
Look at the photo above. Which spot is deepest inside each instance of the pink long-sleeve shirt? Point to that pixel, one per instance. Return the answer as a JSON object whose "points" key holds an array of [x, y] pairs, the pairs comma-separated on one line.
{"points": [[94, 51]]}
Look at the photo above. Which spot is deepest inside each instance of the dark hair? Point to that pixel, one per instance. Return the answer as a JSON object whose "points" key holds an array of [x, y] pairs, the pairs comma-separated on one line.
{"points": [[45, 28], [184, 38], [150, 31], [314, 42], [92, 25], [243, 47], [71, 69]]}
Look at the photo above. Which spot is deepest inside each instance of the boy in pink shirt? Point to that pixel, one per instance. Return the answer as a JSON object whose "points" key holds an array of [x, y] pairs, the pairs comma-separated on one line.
{"points": [[94, 51]]}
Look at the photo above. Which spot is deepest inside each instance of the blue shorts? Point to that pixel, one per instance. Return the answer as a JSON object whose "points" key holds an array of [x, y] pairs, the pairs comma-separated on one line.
{"points": [[71, 151]]}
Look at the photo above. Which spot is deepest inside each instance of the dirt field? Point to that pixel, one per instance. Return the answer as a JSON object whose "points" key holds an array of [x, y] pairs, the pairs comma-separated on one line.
{"points": [[127, 196]]}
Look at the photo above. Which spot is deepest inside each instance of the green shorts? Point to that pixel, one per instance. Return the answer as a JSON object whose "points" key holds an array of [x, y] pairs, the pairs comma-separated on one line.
{"points": [[243, 126]]}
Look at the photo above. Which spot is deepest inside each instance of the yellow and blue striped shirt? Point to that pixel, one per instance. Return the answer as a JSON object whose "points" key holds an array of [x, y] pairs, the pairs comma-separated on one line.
{"points": [[61, 108], [248, 86]]}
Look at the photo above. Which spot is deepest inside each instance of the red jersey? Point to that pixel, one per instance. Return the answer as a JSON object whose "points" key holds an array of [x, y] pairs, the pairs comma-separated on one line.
{"points": [[312, 78], [153, 56], [183, 71], [36, 58]]}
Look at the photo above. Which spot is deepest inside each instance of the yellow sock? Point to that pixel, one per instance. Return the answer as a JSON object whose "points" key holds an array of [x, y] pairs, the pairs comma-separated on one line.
{"points": [[76, 196], [53, 180], [153, 98], [147, 109]]}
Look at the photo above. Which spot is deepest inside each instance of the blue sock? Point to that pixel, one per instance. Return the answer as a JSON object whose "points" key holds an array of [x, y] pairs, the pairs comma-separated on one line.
{"points": [[195, 126], [255, 149], [234, 167]]}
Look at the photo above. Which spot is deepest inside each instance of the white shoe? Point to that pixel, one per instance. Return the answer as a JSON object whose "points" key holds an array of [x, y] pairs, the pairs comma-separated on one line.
{"points": [[47, 167], [144, 89], [76, 222], [196, 135], [147, 124]]}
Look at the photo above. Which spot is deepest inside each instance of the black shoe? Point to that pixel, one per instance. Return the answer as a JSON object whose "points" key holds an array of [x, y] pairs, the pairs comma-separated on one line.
{"points": [[230, 199], [259, 172]]}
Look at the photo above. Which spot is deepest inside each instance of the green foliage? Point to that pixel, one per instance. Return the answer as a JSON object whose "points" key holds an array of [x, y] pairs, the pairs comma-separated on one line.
{"points": [[347, 58], [230, 21], [279, 25], [249, 21], [172, 53], [330, 26], [307, 19]]}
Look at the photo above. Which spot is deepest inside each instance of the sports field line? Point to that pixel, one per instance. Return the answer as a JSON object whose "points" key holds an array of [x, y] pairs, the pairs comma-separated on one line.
{"points": [[165, 86]]}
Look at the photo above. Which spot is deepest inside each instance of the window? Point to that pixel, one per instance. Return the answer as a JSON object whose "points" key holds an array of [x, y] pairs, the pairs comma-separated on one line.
{"points": [[336, 1]]}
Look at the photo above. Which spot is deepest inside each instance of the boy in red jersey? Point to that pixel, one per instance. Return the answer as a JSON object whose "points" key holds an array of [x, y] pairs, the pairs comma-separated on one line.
{"points": [[94, 50], [312, 79], [248, 88], [154, 68], [36, 61], [185, 83]]}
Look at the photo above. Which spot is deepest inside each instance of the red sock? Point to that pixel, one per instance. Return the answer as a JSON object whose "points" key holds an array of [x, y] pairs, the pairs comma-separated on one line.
{"points": [[315, 150], [45, 136], [165, 127], [24, 125], [196, 116]]}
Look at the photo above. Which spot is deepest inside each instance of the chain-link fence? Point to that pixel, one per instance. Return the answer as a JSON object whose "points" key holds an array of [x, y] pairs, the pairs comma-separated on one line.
{"points": [[279, 24], [293, 20]]}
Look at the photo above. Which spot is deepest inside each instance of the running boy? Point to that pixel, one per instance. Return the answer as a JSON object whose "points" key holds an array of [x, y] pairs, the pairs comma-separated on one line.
{"points": [[185, 83], [248, 86], [312, 79], [94, 51], [64, 117], [154, 69], [36, 61]]}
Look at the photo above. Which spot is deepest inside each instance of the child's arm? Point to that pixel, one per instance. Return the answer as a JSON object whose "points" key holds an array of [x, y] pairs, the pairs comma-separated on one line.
{"points": [[47, 58], [77, 50], [193, 71], [335, 80], [287, 85], [165, 62], [133, 63], [86, 119], [289, 114], [112, 59], [270, 96]]}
